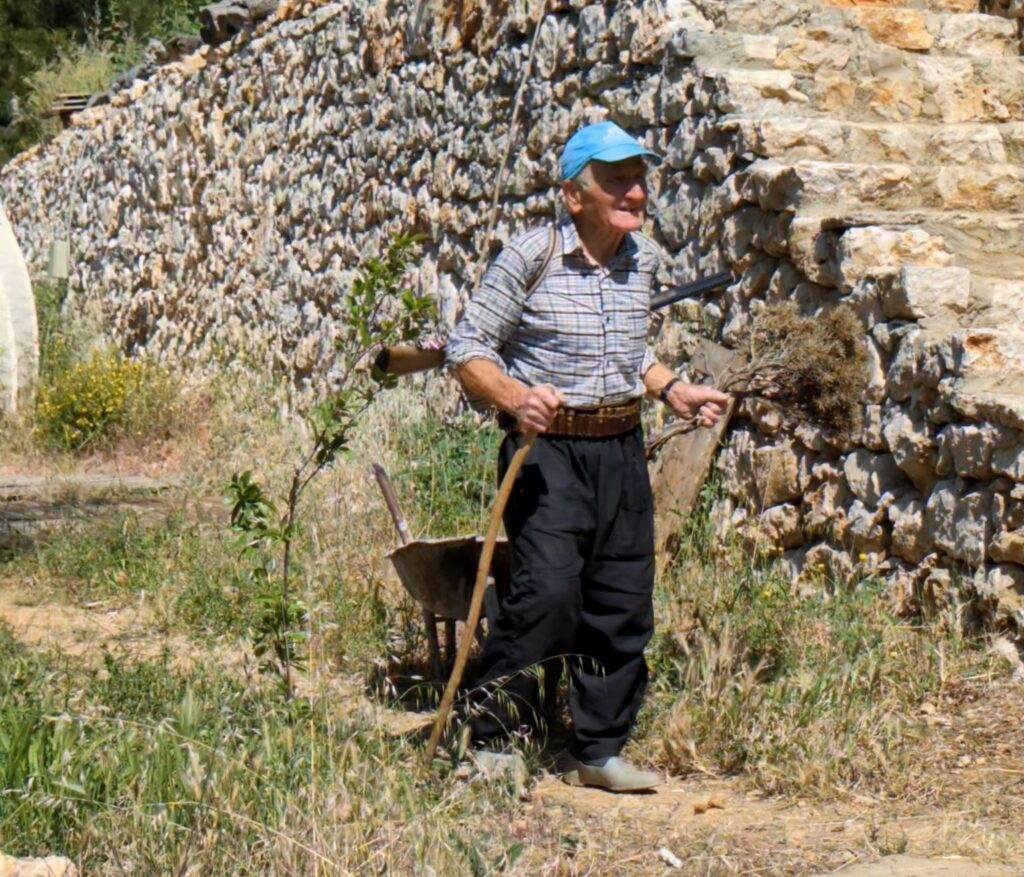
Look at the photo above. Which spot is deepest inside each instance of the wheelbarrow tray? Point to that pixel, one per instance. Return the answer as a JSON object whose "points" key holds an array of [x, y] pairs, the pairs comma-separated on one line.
{"points": [[439, 573]]}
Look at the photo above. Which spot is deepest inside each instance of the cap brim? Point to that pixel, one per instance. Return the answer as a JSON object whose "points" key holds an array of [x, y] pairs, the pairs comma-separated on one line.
{"points": [[622, 151]]}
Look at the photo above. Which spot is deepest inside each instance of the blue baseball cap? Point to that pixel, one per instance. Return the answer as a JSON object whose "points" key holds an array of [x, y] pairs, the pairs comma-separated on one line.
{"points": [[604, 141]]}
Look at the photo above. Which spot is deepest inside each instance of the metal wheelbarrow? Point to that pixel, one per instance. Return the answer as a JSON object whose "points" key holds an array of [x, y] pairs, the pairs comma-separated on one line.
{"points": [[439, 575]]}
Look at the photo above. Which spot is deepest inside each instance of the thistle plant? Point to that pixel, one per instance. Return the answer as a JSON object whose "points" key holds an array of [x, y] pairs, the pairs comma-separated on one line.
{"points": [[379, 310]]}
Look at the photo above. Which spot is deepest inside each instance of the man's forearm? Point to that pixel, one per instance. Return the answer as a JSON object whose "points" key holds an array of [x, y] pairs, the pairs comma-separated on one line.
{"points": [[482, 379]]}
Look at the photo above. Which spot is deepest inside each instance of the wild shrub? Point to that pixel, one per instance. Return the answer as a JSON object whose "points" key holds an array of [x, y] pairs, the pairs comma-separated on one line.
{"points": [[78, 68], [104, 398], [814, 366]]}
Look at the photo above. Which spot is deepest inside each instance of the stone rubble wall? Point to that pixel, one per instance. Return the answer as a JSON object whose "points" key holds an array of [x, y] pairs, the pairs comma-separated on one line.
{"points": [[836, 151]]}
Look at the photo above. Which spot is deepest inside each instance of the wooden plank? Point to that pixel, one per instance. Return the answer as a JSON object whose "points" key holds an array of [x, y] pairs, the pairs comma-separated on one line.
{"points": [[683, 463], [31, 486]]}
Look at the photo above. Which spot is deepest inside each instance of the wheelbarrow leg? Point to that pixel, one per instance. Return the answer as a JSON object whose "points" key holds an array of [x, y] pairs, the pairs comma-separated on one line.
{"points": [[429, 621], [430, 624], [449, 640]]}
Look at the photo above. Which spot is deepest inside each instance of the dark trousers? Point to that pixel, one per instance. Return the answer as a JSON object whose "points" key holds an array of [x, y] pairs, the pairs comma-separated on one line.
{"points": [[580, 522]]}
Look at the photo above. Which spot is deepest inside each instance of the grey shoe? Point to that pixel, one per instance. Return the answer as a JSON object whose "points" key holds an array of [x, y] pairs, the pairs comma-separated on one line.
{"points": [[613, 774]]}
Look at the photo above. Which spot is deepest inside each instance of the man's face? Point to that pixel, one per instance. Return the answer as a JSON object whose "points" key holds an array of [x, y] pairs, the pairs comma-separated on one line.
{"points": [[616, 197]]}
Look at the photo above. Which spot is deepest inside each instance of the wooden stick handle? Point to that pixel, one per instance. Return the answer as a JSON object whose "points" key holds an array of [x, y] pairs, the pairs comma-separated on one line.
{"points": [[391, 501], [477, 600]]}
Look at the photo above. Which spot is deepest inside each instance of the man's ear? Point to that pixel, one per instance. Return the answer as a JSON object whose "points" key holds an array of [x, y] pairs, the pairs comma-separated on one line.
{"points": [[573, 201]]}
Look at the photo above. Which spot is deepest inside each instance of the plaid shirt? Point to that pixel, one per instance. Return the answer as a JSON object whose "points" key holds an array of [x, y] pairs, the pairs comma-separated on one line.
{"points": [[583, 330]]}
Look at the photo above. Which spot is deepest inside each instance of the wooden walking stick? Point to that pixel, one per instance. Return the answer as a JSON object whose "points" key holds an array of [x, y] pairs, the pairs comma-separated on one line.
{"points": [[477, 600]]}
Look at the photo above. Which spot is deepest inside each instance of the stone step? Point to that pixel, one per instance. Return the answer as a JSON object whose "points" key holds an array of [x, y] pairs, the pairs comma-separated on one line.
{"points": [[950, 90], [839, 47], [926, 5], [996, 301], [915, 30], [990, 244], [795, 138], [850, 187]]}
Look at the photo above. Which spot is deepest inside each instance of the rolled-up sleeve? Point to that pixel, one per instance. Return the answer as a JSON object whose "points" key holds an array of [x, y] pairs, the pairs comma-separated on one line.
{"points": [[649, 360], [493, 314]]}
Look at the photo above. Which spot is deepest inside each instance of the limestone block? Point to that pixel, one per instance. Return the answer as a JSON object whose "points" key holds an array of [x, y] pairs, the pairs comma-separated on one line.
{"points": [[872, 435], [1004, 303], [885, 143], [677, 212], [1007, 546], [988, 365], [968, 449], [956, 145], [1008, 460], [958, 520], [912, 447], [834, 92], [873, 476], [866, 530], [50, 866], [781, 526], [866, 300], [900, 28], [791, 563], [923, 292], [738, 90], [1003, 586], [776, 475], [814, 250], [791, 139], [870, 250], [736, 465], [876, 386], [806, 55], [824, 560], [983, 36], [911, 540], [894, 100]]}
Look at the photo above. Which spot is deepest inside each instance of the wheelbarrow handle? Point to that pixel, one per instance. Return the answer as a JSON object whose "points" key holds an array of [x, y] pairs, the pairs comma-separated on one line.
{"points": [[477, 600], [391, 501]]}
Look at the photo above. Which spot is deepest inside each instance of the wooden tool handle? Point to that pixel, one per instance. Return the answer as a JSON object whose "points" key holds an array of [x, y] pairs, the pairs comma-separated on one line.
{"points": [[391, 501], [407, 359], [476, 602]]}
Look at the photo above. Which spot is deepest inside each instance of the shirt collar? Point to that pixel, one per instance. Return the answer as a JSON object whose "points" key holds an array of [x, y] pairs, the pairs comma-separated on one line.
{"points": [[572, 246]]}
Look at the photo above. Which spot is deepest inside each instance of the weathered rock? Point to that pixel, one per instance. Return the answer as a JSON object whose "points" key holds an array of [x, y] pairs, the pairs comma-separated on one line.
{"points": [[988, 364], [50, 866], [924, 292], [910, 539], [866, 531], [901, 28], [1003, 586], [912, 448], [777, 475], [873, 476], [958, 520], [781, 526]]}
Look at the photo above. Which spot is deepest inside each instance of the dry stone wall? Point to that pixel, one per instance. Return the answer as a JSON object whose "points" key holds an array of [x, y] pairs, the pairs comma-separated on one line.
{"points": [[868, 153]]}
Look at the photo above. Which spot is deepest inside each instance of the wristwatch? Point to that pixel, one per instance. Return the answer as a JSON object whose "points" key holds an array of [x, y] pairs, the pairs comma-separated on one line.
{"points": [[663, 392]]}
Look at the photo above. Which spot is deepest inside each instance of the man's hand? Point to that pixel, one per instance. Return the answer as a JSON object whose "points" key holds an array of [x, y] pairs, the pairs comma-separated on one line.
{"points": [[697, 400], [537, 407]]}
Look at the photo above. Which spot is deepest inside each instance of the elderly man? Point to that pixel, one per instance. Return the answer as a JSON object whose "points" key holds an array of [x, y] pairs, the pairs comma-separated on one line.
{"points": [[567, 358]]}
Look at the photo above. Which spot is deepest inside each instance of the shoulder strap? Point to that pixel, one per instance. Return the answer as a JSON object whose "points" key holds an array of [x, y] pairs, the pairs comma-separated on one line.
{"points": [[542, 271]]}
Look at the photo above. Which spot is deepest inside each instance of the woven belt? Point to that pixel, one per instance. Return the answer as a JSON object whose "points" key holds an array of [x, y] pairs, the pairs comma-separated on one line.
{"points": [[605, 422]]}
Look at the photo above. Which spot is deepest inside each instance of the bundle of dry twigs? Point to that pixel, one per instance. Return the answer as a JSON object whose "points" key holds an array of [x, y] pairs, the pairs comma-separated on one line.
{"points": [[814, 369]]}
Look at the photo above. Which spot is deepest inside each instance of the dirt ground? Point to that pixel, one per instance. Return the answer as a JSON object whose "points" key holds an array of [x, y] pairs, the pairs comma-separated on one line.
{"points": [[964, 807], [962, 813]]}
